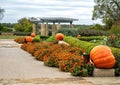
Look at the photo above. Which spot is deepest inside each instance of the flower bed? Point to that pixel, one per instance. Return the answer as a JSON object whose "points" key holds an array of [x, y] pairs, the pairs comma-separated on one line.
{"points": [[66, 58]]}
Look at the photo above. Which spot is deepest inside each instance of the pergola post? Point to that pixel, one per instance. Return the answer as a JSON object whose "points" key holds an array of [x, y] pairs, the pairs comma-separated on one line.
{"points": [[42, 29], [46, 29], [71, 25], [58, 26], [34, 28], [53, 28]]}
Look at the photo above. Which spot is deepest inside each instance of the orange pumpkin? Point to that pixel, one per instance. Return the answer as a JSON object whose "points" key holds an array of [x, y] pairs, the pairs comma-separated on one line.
{"points": [[102, 57], [78, 36], [29, 39], [32, 35], [59, 36]]}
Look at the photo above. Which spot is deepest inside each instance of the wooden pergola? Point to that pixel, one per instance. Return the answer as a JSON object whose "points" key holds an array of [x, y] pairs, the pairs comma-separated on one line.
{"points": [[44, 24]]}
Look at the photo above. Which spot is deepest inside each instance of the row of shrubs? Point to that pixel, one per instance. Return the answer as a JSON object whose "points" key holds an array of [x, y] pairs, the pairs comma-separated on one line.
{"points": [[37, 38], [86, 38], [66, 58], [82, 32]]}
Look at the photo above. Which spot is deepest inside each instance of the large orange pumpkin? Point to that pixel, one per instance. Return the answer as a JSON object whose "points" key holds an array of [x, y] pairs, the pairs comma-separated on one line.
{"points": [[32, 35], [59, 36], [102, 57], [29, 39]]}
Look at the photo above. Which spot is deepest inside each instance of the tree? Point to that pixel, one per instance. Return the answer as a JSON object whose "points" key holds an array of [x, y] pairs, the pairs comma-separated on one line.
{"points": [[1, 13], [23, 25], [107, 10], [97, 27]]}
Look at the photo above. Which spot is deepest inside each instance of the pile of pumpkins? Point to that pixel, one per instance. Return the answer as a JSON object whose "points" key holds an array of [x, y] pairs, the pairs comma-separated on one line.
{"points": [[30, 38]]}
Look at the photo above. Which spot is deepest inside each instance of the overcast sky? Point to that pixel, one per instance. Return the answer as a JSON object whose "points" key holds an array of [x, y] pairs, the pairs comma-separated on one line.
{"points": [[78, 9]]}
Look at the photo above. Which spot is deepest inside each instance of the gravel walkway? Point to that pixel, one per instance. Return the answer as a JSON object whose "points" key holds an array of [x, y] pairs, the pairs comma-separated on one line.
{"points": [[18, 67]]}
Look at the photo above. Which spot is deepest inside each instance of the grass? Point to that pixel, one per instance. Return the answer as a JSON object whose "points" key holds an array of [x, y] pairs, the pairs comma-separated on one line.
{"points": [[9, 36]]}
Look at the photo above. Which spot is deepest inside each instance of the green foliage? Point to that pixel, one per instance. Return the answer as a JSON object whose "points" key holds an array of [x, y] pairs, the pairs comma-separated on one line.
{"points": [[107, 10], [1, 13], [87, 46], [85, 70], [44, 37], [23, 25], [115, 29], [22, 33], [51, 39], [1, 27], [114, 40], [68, 32], [88, 32], [4, 28], [89, 38], [51, 62], [97, 27], [95, 39], [36, 38]]}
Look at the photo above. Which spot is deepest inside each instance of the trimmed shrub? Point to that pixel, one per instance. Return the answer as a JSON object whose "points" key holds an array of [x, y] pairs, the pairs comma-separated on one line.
{"points": [[88, 32], [85, 38], [36, 38]]}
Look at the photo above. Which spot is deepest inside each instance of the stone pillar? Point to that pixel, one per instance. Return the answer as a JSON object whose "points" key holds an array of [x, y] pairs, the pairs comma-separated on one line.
{"points": [[71, 25], [42, 29], [58, 26], [34, 28], [53, 28], [46, 29]]}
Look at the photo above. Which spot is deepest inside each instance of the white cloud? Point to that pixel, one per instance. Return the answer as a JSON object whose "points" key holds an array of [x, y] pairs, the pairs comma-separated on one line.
{"points": [[16, 9]]}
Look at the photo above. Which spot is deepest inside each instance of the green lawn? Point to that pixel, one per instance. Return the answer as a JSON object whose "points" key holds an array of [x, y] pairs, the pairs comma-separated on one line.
{"points": [[8, 37]]}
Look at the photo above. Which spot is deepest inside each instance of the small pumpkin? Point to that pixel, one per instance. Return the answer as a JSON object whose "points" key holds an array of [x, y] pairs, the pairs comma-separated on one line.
{"points": [[78, 36], [59, 36], [29, 39], [32, 35], [102, 57]]}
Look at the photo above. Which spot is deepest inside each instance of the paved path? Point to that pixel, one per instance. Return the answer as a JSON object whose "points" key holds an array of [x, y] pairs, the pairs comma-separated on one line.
{"points": [[18, 67], [16, 63]]}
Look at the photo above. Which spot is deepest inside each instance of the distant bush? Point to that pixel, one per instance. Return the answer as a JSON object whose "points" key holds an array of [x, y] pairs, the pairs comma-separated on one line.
{"points": [[44, 37], [85, 38], [68, 32], [88, 32], [22, 33], [115, 29]]}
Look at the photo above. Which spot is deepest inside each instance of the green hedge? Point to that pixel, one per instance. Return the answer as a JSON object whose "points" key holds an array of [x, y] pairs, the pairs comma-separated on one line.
{"points": [[89, 38], [89, 32], [87, 45], [79, 43]]}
